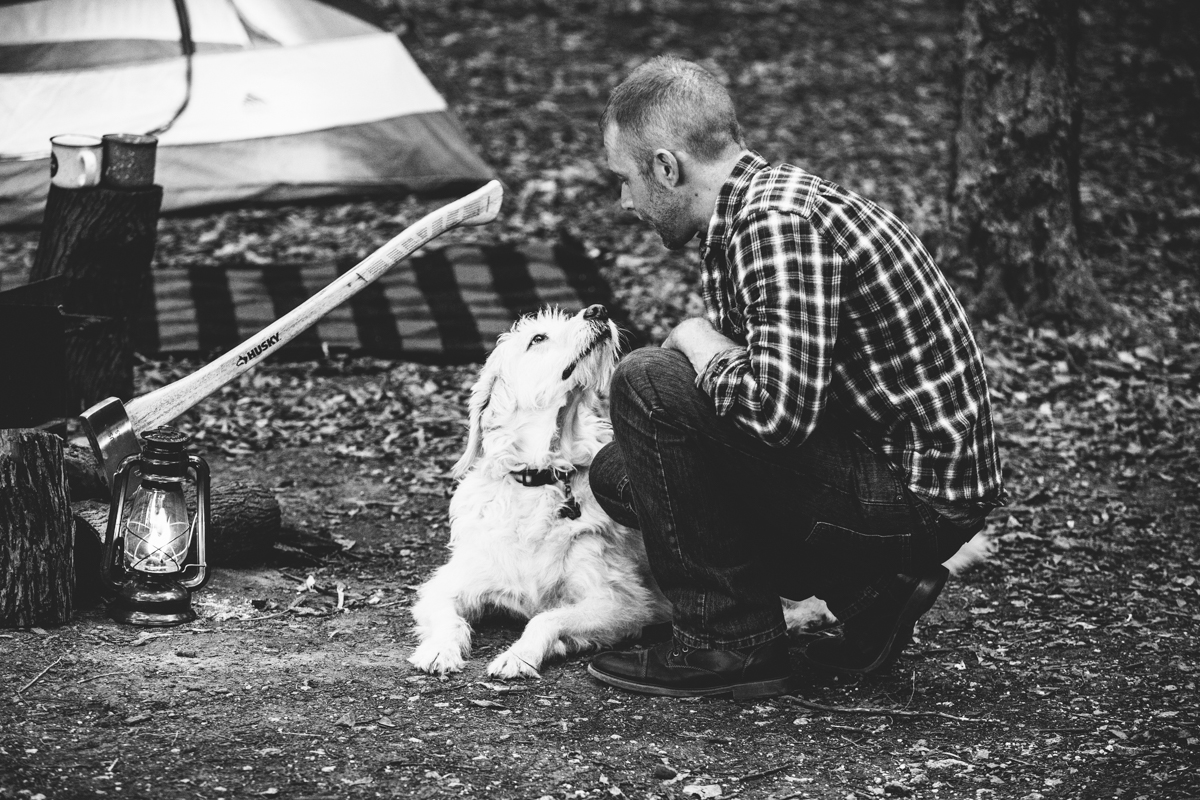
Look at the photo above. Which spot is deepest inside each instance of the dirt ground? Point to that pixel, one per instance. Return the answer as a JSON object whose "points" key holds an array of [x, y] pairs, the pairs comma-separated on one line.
{"points": [[1065, 668]]}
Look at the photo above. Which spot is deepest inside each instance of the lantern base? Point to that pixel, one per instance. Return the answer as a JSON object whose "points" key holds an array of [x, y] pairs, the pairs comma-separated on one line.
{"points": [[153, 602]]}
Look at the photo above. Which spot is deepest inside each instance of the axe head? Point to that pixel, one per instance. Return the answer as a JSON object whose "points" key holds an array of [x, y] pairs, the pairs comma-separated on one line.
{"points": [[111, 435]]}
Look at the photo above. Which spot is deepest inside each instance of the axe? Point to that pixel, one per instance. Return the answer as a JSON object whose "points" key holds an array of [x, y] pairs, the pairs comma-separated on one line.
{"points": [[112, 426]]}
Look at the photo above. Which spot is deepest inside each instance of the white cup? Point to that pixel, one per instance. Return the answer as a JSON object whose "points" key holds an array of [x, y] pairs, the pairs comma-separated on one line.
{"points": [[75, 160]]}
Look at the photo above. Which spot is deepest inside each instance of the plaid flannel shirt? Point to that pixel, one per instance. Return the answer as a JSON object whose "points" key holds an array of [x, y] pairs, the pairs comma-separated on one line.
{"points": [[836, 304]]}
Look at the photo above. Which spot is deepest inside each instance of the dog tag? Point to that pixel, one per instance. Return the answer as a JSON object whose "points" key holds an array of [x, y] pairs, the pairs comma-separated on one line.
{"points": [[569, 509]]}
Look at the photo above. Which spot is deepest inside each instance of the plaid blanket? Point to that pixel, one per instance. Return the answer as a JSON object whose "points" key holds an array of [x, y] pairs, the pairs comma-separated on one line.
{"points": [[444, 305]]}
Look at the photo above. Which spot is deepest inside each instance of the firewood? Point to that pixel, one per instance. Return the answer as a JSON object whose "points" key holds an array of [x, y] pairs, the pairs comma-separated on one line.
{"points": [[101, 242], [36, 531], [243, 529], [84, 481]]}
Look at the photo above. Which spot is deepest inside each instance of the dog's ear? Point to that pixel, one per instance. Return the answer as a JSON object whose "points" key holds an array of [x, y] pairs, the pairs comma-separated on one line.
{"points": [[481, 396]]}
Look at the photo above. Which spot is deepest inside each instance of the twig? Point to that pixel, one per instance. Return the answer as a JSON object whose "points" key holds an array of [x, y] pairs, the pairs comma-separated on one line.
{"points": [[531, 666], [1070, 597], [102, 675], [268, 616], [1064, 730], [753, 776], [38, 677], [380, 503], [388, 604], [884, 712]]}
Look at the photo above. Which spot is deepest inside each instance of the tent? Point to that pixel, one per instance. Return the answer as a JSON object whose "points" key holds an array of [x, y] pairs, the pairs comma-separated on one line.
{"points": [[265, 100]]}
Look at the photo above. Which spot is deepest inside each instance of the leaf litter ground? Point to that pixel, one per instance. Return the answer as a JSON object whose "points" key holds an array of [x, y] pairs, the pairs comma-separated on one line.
{"points": [[1066, 667]]}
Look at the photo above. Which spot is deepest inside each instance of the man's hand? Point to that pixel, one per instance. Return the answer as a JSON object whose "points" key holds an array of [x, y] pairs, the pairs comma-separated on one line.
{"points": [[697, 339]]}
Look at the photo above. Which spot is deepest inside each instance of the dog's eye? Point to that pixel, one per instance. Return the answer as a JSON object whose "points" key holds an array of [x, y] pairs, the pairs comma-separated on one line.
{"points": [[538, 338]]}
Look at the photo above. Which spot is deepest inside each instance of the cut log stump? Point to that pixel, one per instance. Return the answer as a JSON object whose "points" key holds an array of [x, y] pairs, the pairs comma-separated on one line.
{"points": [[37, 566], [100, 241]]}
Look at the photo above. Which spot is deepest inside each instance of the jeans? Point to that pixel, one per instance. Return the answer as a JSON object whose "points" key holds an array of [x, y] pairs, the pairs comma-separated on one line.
{"points": [[732, 524]]}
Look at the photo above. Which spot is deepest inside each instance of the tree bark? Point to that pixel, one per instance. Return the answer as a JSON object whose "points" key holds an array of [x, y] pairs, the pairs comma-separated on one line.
{"points": [[245, 523], [1014, 204], [101, 241], [37, 567]]}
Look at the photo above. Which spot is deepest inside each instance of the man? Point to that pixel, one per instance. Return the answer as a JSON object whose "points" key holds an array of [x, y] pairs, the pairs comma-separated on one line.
{"points": [[824, 430]]}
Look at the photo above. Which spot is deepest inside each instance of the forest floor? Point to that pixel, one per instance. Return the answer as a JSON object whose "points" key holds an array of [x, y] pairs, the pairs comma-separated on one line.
{"points": [[1065, 667]]}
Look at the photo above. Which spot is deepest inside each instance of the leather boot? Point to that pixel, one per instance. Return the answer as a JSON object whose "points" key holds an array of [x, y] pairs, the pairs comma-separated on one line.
{"points": [[675, 670], [872, 640]]}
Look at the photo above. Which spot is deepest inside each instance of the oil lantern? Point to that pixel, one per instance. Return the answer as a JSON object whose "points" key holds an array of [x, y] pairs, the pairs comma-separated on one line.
{"points": [[154, 553]]}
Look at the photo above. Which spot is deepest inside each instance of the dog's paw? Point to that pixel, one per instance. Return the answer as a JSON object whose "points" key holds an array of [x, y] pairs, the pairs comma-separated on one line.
{"points": [[512, 665], [807, 615], [437, 659]]}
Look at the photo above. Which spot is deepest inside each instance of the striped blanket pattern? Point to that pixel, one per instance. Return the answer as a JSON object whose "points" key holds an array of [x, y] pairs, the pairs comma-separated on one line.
{"points": [[443, 305]]}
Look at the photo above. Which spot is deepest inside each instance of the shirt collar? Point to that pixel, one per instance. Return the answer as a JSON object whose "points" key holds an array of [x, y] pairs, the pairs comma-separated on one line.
{"points": [[730, 198]]}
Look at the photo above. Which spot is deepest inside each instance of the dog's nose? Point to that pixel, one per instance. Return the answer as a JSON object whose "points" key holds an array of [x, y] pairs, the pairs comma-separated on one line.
{"points": [[596, 311]]}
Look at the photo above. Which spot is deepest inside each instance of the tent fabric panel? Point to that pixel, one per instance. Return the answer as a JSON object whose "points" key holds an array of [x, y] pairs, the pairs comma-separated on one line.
{"points": [[276, 92], [418, 153], [57, 57], [132, 99], [235, 95], [291, 22], [89, 20]]}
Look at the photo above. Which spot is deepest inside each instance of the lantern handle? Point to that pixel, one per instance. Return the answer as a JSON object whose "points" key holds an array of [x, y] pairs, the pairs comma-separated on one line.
{"points": [[108, 563], [196, 575]]}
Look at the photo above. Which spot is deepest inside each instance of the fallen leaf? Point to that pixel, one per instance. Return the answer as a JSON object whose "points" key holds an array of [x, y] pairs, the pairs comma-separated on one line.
{"points": [[486, 703]]}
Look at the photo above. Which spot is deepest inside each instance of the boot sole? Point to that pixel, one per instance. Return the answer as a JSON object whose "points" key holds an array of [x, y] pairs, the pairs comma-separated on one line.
{"points": [[738, 691], [915, 607]]}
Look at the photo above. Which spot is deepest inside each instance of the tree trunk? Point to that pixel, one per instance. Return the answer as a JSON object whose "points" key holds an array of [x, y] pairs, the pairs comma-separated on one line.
{"points": [[1014, 203], [37, 567]]}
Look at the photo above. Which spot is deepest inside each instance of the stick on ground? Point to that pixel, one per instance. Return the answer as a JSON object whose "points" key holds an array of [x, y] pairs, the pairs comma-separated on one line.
{"points": [[38, 677], [883, 712]]}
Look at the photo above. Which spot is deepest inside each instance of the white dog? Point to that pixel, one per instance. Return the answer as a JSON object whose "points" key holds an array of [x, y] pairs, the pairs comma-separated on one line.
{"points": [[526, 534]]}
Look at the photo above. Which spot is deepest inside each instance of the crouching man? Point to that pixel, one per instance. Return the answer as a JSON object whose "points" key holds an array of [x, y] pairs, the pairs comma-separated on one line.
{"points": [[824, 430]]}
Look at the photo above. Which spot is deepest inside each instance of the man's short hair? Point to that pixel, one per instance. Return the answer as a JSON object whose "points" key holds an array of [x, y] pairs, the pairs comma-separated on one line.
{"points": [[669, 102]]}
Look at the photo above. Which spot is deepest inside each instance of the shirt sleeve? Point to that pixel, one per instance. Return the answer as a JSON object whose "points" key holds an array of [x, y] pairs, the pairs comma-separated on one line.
{"points": [[788, 281]]}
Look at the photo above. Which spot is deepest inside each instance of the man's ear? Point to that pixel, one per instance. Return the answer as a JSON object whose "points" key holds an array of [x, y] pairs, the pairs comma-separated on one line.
{"points": [[666, 168]]}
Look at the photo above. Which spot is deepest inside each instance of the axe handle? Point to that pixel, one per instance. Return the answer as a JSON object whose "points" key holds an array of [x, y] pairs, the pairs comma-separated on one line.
{"points": [[166, 403]]}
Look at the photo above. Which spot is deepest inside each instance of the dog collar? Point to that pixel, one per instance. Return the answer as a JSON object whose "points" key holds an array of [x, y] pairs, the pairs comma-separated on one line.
{"points": [[544, 477], [541, 477]]}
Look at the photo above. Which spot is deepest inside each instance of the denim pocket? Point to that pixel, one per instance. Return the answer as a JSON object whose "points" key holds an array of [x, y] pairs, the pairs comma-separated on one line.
{"points": [[841, 554]]}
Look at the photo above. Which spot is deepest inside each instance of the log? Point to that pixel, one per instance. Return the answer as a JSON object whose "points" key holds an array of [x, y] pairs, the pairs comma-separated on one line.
{"points": [[244, 526], [31, 357], [101, 242], [91, 519], [37, 562], [84, 480], [98, 360]]}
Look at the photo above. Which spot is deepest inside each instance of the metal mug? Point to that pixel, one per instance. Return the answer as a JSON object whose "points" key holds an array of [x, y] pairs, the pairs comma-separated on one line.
{"points": [[75, 160], [129, 160]]}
